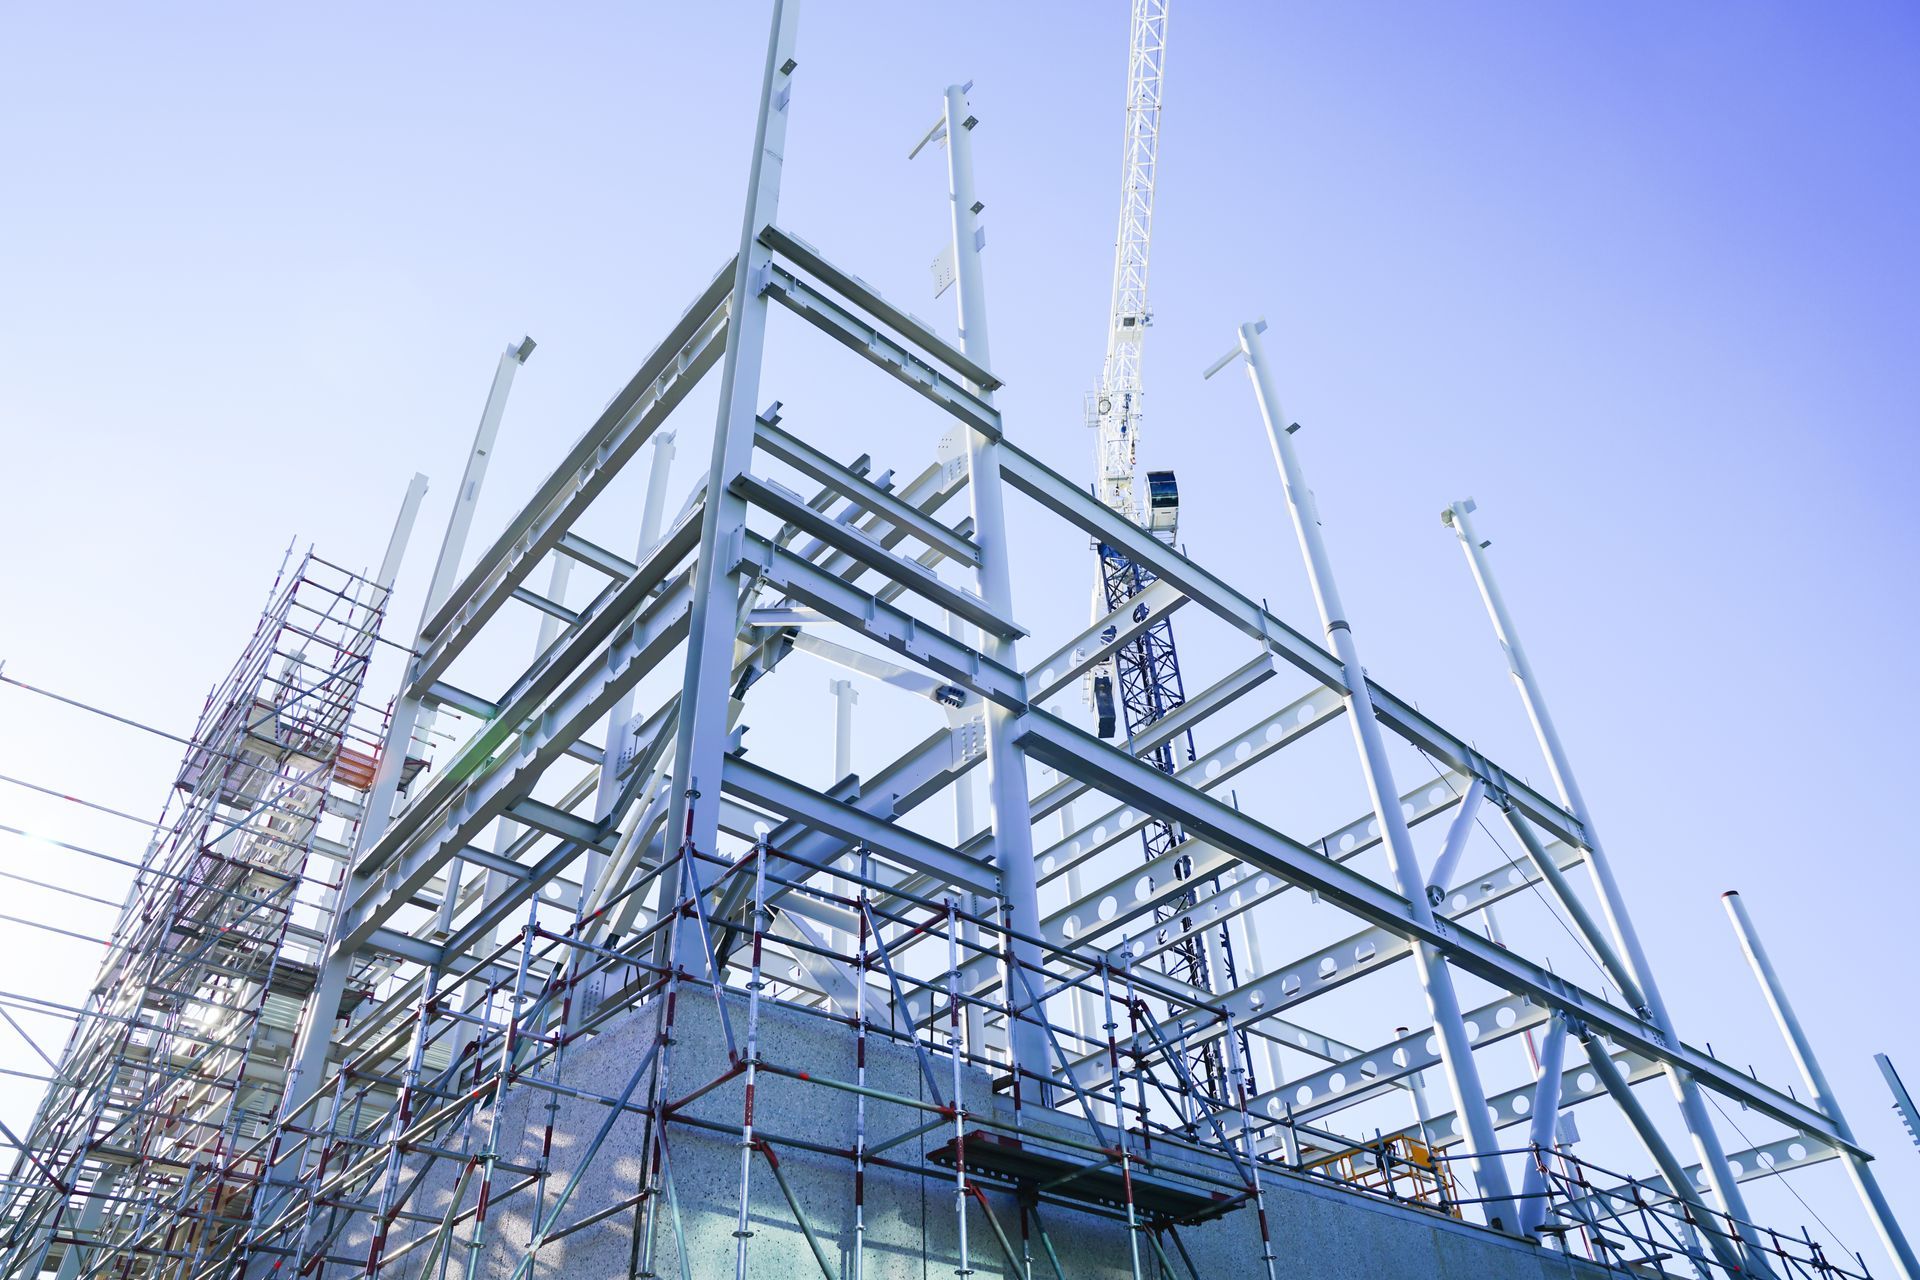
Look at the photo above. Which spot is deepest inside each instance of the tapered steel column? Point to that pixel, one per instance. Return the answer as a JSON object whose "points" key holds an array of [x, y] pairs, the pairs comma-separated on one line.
{"points": [[1007, 797], [1693, 1108], [700, 741], [1540, 1134], [1726, 1248], [1456, 1050], [453, 545], [1891, 1237], [1458, 832]]}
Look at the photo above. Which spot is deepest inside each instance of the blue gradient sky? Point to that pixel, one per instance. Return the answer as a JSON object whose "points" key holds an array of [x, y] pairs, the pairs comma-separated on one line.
{"points": [[1640, 277]]}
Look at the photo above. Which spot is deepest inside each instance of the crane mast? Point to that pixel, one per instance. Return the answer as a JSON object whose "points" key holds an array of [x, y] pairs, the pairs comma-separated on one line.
{"points": [[1117, 405], [1143, 683]]}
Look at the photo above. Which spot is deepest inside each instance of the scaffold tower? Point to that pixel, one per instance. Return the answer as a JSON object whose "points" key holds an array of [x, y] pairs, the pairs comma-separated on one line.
{"points": [[145, 1148]]}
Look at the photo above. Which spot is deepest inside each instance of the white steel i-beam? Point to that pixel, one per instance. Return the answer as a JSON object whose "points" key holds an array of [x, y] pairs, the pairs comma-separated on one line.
{"points": [[701, 735], [1008, 802], [1891, 1237], [1693, 1108], [1456, 1050]]}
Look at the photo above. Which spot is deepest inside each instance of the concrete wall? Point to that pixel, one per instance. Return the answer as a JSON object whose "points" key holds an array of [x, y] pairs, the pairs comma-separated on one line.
{"points": [[1320, 1233]]}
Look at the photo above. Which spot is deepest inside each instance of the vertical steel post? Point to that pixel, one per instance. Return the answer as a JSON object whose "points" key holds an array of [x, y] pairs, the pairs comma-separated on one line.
{"points": [[1884, 1224], [1119, 1105], [1540, 1134], [1250, 939], [963, 828], [316, 1028], [507, 833], [1456, 1050], [860, 1077], [701, 734], [1006, 763], [1693, 1108], [598, 864], [652, 513], [453, 545], [844, 696], [402, 532]]}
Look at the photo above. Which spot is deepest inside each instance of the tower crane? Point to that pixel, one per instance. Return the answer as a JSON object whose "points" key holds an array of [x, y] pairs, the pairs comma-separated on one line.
{"points": [[1142, 683]]}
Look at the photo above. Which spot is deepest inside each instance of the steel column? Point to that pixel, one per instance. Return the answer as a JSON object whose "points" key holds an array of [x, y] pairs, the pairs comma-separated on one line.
{"points": [[1721, 1237], [1456, 1050], [1884, 1224], [701, 737], [607, 792], [652, 513], [1457, 834], [1546, 1112], [844, 696], [1007, 798], [1706, 1140]]}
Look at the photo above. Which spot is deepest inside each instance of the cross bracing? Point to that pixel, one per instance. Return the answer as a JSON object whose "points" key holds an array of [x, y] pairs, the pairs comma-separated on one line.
{"points": [[603, 840]]}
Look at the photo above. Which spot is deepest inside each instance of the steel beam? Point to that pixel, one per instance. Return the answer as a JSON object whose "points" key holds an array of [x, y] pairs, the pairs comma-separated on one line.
{"points": [[852, 825], [1072, 504], [893, 629], [1706, 1138], [896, 511], [416, 854], [1056, 743], [770, 495], [884, 349], [793, 249], [529, 696], [1767, 1160], [1885, 1225], [578, 548], [665, 378], [1095, 645]]}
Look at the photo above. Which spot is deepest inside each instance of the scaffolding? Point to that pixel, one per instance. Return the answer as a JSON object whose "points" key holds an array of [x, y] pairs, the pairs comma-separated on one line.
{"points": [[174, 1067], [292, 1071], [398, 1166]]}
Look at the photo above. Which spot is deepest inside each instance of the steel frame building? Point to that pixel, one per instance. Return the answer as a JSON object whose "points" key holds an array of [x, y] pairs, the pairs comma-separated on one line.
{"points": [[596, 849]]}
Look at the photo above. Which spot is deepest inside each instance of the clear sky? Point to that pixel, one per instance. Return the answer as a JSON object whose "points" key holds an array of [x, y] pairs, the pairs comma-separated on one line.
{"points": [[1639, 277]]}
